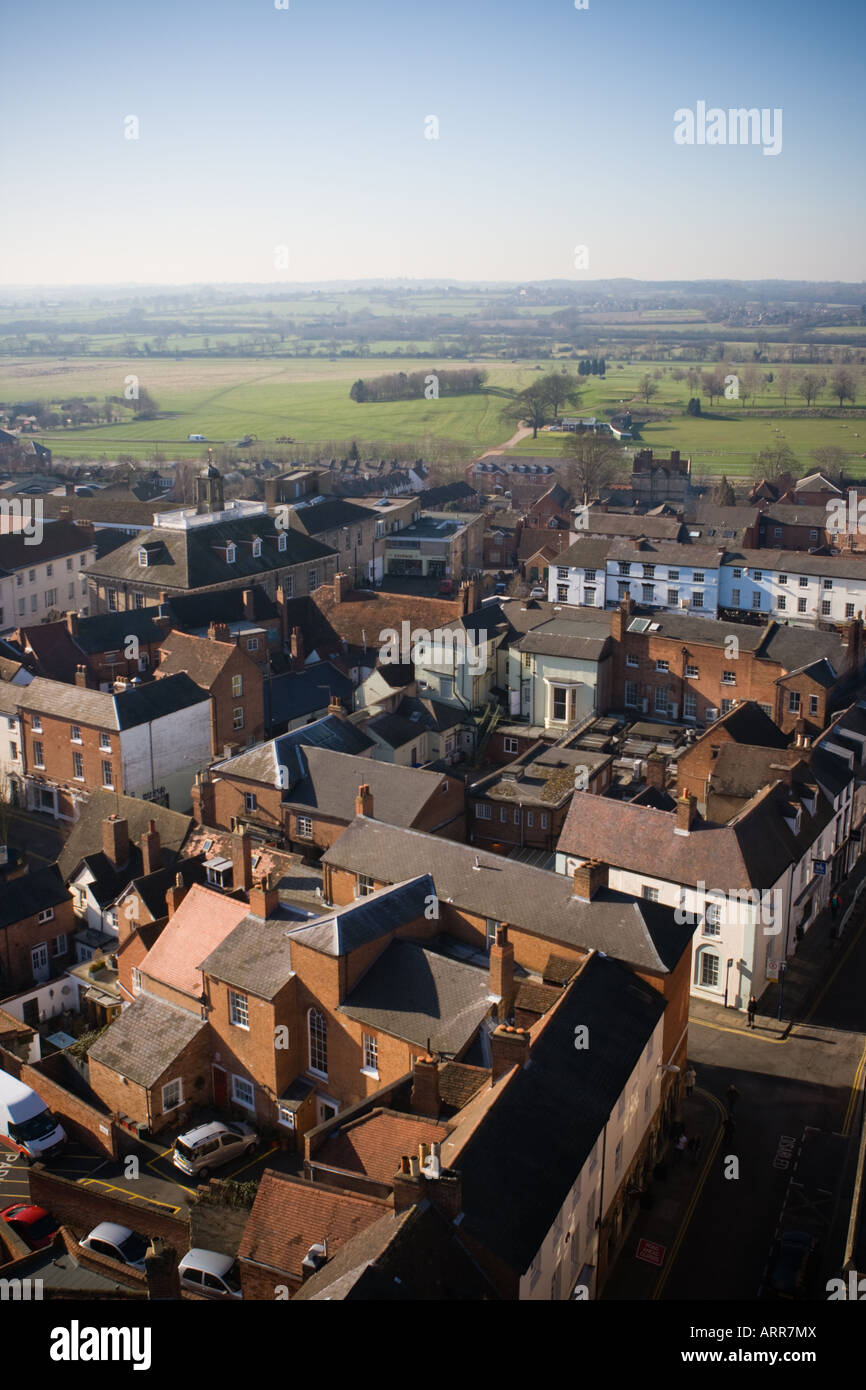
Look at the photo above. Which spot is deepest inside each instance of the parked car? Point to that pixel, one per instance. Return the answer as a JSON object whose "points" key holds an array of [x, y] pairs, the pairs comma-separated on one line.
{"points": [[791, 1261], [36, 1227], [118, 1243], [26, 1124], [210, 1274], [538, 591], [211, 1145]]}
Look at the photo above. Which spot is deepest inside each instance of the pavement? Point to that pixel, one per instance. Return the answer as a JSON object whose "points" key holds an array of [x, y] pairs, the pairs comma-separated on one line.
{"points": [[674, 1197]]}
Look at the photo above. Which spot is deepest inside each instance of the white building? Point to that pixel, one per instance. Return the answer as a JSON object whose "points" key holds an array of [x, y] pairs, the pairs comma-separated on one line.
{"points": [[42, 576]]}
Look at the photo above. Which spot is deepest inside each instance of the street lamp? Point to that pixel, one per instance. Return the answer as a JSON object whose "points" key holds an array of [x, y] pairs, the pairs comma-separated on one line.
{"points": [[727, 977]]}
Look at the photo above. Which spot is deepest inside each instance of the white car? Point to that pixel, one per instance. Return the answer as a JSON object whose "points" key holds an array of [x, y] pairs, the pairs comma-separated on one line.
{"points": [[209, 1274], [118, 1243]]}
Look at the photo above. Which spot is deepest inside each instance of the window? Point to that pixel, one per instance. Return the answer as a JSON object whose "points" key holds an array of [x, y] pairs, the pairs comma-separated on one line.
{"points": [[313, 579], [727, 706], [21, 607], [662, 699], [729, 678], [590, 576], [648, 593], [503, 814], [112, 600], [172, 1094], [107, 774], [624, 567], [735, 598], [13, 751], [589, 596], [78, 767], [768, 710], [697, 600], [285, 1116], [371, 1053], [50, 598], [138, 599], [712, 920], [673, 597], [19, 578], [698, 577], [530, 818], [562, 593], [483, 811], [801, 605], [562, 572], [105, 742], [82, 559], [813, 704], [318, 1036], [560, 703], [31, 575], [813, 535], [142, 558], [709, 970], [510, 745], [136, 980], [365, 886], [282, 541], [239, 1010], [545, 819], [692, 671], [231, 553], [631, 693], [517, 815], [826, 606], [651, 895], [38, 754], [757, 575], [690, 705], [662, 666], [252, 644], [631, 659], [243, 1092], [288, 585], [649, 571], [46, 915], [250, 801], [673, 574], [777, 532], [756, 598], [782, 603], [803, 581], [75, 734], [257, 548], [304, 827], [34, 602], [238, 717], [622, 590], [738, 574], [783, 578], [849, 610]]}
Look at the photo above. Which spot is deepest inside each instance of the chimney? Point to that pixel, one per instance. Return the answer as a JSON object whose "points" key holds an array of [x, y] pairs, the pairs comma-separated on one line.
{"points": [[296, 647], [342, 587], [272, 492], [589, 877], [242, 860], [160, 1271], [219, 632], [151, 849], [425, 1099], [408, 1186], [203, 799], [685, 813], [335, 707], [249, 606], [315, 1258], [72, 624], [115, 840], [81, 676], [175, 895], [656, 766], [364, 802], [509, 1047], [87, 527], [502, 972], [263, 899]]}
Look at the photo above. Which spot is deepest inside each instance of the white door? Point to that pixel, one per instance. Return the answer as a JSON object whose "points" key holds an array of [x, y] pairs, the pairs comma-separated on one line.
{"points": [[39, 961]]}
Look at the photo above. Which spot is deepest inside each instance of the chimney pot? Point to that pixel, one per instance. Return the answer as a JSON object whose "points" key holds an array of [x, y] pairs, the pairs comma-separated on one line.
{"points": [[364, 801]]}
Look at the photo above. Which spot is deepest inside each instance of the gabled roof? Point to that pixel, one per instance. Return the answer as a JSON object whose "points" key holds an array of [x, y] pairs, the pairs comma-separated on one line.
{"points": [[582, 637], [595, 522], [374, 1143], [255, 956], [422, 997], [295, 694], [58, 539], [85, 837], [146, 1039], [262, 763], [367, 920], [103, 710], [200, 657], [31, 893], [315, 518], [289, 1216], [202, 921]]}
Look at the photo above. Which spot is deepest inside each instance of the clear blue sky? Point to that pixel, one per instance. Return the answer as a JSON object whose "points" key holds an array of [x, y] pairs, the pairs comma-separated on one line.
{"points": [[305, 128]]}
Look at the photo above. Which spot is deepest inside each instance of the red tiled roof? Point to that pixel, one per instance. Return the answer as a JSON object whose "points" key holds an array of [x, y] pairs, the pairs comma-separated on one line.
{"points": [[375, 1143], [363, 615], [290, 1215], [203, 920]]}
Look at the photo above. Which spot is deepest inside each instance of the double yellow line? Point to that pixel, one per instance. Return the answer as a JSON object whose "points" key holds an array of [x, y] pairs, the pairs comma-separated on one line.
{"points": [[695, 1198]]}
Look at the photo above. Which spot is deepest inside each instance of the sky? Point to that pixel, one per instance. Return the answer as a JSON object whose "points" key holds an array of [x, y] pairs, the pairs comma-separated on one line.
{"points": [[292, 143]]}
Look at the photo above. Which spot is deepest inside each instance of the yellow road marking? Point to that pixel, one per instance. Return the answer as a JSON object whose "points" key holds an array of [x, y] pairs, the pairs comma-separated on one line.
{"points": [[259, 1158], [855, 1089], [133, 1196], [740, 1032], [690, 1210]]}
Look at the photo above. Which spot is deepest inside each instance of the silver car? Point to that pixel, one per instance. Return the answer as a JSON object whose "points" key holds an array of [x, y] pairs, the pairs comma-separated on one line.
{"points": [[118, 1243], [209, 1274], [211, 1145]]}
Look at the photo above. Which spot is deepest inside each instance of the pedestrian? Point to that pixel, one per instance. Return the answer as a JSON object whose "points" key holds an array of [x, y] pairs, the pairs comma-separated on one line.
{"points": [[799, 933], [694, 1147], [682, 1144], [835, 904], [690, 1078], [733, 1096], [752, 1009]]}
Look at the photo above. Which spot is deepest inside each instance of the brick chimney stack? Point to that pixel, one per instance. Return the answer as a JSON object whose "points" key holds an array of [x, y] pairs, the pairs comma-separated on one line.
{"points": [[296, 647], [160, 1271], [115, 840], [686, 813], [249, 606], [425, 1098], [342, 586], [656, 766], [219, 632], [364, 802], [175, 895], [203, 799], [81, 676], [151, 849], [335, 707], [589, 877], [242, 860], [502, 972], [263, 899], [509, 1047]]}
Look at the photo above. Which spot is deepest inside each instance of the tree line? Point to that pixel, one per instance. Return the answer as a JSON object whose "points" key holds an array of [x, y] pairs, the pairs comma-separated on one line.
{"points": [[413, 386]]}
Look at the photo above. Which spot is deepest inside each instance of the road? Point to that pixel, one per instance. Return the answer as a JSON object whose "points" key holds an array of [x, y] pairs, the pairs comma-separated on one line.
{"points": [[785, 1085]]}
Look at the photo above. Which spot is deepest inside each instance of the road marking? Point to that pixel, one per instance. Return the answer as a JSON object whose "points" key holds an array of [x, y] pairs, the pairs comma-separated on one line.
{"points": [[740, 1032], [133, 1196], [259, 1158], [841, 961], [855, 1090], [152, 1162], [690, 1210]]}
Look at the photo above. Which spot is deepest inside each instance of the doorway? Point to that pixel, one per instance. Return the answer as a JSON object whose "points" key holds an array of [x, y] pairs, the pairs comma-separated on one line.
{"points": [[325, 1110], [220, 1087]]}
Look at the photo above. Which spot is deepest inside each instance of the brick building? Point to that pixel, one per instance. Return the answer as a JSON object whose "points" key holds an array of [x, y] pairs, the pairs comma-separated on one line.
{"points": [[220, 665], [36, 926]]}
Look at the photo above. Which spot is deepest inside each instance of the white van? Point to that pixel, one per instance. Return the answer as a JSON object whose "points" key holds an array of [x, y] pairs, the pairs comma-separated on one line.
{"points": [[26, 1123], [196, 439]]}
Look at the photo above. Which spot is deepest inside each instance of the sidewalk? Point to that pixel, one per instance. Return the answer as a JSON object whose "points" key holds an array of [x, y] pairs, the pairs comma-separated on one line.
{"points": [[630, 1277]]}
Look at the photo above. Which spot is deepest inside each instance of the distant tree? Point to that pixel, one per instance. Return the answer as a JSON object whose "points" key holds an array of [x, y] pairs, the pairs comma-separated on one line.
{"points": [[773, 460], [647, 387], [713, 384], [693, 378], [843, 385], [724, 495], [694, 406], [750, 382], [530, 406], [354, 453], [809, 386], [829, 459], [358, 391], [561, 390], [591, 461]]}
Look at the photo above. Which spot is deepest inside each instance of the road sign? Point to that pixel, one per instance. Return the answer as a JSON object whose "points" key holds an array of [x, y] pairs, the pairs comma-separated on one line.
{"points": [[650, 1251], [819, 866]]}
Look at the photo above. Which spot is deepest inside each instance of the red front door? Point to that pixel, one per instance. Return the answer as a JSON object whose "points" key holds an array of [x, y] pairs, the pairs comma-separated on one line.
{"points": [[220, 1088]]}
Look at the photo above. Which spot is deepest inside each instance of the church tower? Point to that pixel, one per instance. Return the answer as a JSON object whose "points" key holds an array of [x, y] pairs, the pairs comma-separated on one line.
{"points": [[209, 488]]}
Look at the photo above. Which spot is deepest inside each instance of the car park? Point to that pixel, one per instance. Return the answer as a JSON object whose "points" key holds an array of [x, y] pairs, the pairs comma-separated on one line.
{"points": [[210, 1274], [209, 1146], [117, 1243], [36, 1227]]}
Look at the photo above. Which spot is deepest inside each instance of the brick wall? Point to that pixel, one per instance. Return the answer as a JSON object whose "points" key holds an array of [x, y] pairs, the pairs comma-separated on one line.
{"points": [[58, 750], [84, 1123], [18, 940], [82, 1208], [128, 1098]]}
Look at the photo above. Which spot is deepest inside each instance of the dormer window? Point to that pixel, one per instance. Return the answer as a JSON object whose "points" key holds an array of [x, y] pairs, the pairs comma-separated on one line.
{"points": [[282, 541], [231, 553], [142, 558], [257, 548]]}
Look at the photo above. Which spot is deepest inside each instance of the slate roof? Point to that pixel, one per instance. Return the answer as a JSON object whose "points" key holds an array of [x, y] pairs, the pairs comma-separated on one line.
{"points": [[398, 728], [548, 1115], [668, 552], [535, 900], [416, 994], [101, 709], [85, 837], [108, 632], [585, 552], [433, 497], [585, 639], [748, 724], [262, 762], [599, 523], [194, 558], [794, 562], [326, 516], [795, 648], [152, 888], [31, 893], [367, 920], [146, 1038], [200, 610], [256, 957], [59, 539], [298, 693]]}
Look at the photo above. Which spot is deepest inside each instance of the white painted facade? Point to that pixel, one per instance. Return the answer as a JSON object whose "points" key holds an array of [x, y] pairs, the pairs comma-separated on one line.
{"points": [[33, 593], [167, 753]]}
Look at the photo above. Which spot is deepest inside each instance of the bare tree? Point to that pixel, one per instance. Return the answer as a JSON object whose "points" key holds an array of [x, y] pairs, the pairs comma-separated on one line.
{"points": [[843, 385], [592, 460], [530, 406], [809, 385], [785, 377], [647, 387]]}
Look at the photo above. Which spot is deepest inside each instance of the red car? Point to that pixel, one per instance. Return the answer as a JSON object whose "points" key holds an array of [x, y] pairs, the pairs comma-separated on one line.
{"points": [[33, 1224]]}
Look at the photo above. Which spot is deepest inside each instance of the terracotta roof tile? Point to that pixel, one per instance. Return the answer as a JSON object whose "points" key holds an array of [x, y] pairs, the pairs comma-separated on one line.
{"points": [[201, 923], [375, 1143], [289, 1216]]}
